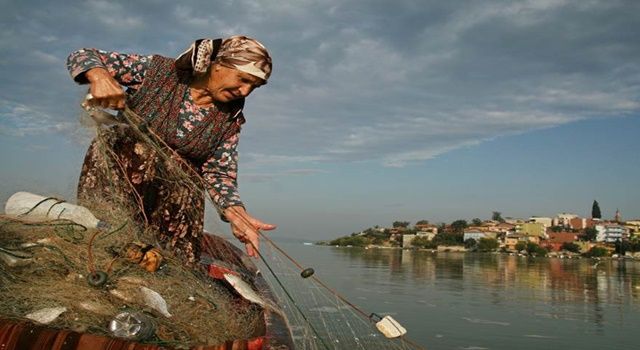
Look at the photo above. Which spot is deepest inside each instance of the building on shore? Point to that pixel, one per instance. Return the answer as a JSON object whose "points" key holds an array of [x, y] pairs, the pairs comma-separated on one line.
{"points": [[610, 233], [557, 239], [477, 234], [536, 229], [563, 219], [633, 228], [511, 240], [408, 238]]}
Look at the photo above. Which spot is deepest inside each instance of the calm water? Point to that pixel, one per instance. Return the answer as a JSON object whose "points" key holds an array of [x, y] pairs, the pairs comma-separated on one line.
{"points": [[481, 301]]}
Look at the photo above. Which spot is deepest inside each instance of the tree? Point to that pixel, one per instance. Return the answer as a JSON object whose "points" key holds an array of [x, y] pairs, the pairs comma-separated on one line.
{"points": [[423, 242], [533, 248], [570, 247], [590, 234], [476, 222], [403, 224], [487, 244], [520, 246], [622, 247], [597, 252], [497, 216], [470, 243], [634, 245], [443, 238], [458, 226], [357, 241], [595, 210], [422, 222]]}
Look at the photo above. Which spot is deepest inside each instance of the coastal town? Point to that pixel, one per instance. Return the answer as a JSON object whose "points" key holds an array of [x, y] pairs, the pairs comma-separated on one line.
{"points": [[563, 235]]}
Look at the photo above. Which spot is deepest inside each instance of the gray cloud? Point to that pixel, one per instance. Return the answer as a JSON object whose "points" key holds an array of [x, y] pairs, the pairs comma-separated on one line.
{"points": [[377, 81]]}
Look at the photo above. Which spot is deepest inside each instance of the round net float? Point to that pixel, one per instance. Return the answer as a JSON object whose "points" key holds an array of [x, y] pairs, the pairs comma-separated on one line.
{"points": [[308, 272], [97, 279]]}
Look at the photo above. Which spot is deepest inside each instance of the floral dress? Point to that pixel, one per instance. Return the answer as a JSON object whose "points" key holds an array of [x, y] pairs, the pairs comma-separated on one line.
{"points": [[120, 167]]}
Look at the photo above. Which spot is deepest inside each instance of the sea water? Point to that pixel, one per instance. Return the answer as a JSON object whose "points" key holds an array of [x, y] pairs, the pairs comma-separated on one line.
{"points": [[488, 301]]}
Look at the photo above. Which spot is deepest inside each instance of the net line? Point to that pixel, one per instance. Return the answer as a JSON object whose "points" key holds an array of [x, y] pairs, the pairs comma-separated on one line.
{"points": [[319, 316]]}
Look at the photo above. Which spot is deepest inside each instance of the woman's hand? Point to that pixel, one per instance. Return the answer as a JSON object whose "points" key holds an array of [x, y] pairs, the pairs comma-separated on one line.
{"points": [[106, 92], [246, 227]]}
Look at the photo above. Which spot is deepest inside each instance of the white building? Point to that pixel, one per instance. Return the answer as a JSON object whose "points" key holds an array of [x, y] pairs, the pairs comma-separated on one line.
{"points": [[610, 233], [563, 219], [477, 235], [407, 239], [545, 221]]}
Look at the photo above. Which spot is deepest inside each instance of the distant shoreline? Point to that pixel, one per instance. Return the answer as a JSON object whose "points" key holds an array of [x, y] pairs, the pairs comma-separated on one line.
{"points": [[557, 255]]}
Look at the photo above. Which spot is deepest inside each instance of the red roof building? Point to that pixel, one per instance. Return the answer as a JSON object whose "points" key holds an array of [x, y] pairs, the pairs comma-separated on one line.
{"points": [[557, 239]]}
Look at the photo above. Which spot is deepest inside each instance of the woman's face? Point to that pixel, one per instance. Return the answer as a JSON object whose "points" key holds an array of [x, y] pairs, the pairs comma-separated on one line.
{"points": [[228, 84]]}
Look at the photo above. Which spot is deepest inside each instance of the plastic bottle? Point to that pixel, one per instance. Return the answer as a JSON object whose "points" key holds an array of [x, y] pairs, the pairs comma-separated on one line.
{"points": [[25, 204], [132, 324]]}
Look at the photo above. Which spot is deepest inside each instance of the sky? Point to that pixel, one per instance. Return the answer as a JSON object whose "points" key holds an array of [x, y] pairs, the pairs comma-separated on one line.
{"points": [[376, 111]]}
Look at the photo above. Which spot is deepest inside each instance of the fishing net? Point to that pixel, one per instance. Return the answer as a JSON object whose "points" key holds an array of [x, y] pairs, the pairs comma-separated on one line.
{"points": [[46, 265], [319, 316], [55, 257]]}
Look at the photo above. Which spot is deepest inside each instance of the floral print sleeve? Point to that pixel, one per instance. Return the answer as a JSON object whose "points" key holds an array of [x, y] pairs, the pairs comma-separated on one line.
{"points": [[220, 171], [127, 69]]}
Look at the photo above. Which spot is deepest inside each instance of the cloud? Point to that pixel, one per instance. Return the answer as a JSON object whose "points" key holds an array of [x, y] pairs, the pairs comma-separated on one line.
{"points": [[113, 15], [47, 58], [269, 177], [388, 83], [258, 160], [21, 120]]}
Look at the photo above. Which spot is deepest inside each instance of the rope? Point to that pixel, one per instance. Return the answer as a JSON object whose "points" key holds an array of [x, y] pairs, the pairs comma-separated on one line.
{"points": [[114, 231], [37, 204], [90, 264]]}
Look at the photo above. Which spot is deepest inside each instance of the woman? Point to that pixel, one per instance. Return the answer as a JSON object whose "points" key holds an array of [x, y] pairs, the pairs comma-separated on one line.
{"points": [[194, 106]]}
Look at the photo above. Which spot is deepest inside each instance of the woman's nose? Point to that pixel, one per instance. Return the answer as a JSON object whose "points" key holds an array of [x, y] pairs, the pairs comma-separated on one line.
{"points": [[245, 90]]}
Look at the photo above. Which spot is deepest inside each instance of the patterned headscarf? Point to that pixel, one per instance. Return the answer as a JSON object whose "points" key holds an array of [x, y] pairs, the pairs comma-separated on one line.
{"points": [[238, 52]]}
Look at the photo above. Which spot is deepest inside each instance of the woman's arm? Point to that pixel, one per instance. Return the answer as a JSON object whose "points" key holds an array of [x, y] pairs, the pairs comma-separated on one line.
{"points": [[107, 72], [126, 69], [220, 172]]}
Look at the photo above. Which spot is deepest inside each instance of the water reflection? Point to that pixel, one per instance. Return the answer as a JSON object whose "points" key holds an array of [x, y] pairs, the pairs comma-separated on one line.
{"points": [[552, 279], [563, 284]]}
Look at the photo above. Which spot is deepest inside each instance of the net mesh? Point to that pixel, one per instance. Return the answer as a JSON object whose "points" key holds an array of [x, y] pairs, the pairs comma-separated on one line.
{"points": [[56, 256], [319, 317]]}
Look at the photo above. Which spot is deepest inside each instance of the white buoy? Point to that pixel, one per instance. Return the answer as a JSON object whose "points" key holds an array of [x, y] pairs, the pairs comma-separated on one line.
{"points": [[29, 205], [390, 327]]}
